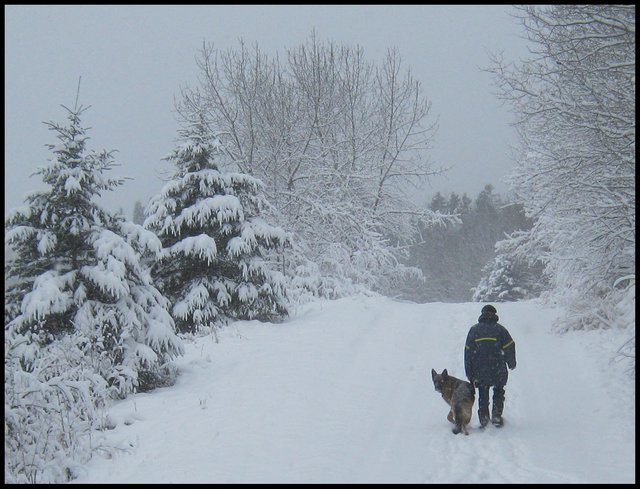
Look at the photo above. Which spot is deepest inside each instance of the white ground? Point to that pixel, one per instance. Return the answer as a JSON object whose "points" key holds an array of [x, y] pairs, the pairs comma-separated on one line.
{"points": [[342, 393]]}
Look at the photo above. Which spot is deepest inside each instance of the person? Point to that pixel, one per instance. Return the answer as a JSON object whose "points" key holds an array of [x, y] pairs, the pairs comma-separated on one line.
{"points": [[488, 351]]}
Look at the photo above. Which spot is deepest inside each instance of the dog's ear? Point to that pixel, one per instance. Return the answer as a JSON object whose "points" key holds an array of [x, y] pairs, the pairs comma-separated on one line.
{"points": [[433, 374], [445, 373]]}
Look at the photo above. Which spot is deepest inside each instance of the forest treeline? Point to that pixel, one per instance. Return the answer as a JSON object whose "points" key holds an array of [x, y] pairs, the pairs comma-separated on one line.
{"points": [[459, 262]]}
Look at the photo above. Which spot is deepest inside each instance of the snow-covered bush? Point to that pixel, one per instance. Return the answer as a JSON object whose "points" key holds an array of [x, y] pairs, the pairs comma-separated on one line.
{"points": [[54, 409]]}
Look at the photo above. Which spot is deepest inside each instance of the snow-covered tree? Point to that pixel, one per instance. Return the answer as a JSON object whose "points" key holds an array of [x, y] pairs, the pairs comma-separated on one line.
{"points": [[339, 143], [83, 321], [509, 276], [219, 257], [76, 271], [574, 100]]}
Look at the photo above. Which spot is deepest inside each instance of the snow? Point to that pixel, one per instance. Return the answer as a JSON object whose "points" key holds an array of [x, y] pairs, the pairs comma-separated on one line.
{"points": [[72, 185], [196, 298], [109, 277], [48, 296], [18, 233], [46, 242], [146, 239], [342, 393], [203, 245], [225, 207]]}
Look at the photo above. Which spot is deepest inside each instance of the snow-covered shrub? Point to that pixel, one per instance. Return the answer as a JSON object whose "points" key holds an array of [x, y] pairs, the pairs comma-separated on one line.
{"points": [[603, 309], [54, 405]]}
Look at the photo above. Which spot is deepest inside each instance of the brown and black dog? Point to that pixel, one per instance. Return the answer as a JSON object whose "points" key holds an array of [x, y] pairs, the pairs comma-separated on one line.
{"points": [[459, 395]]}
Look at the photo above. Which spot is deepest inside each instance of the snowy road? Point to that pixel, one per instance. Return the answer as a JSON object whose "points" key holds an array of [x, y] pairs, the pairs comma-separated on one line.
{"points": [[342, 393]]}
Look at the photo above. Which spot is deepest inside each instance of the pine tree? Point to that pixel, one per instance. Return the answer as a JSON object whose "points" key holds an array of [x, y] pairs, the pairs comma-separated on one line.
{"points": [[77, 271], [216, 246], [438, 203], [510, 275]]}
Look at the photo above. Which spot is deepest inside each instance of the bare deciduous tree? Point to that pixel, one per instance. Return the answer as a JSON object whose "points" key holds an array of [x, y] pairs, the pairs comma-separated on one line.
{"points": [[337, 140]]}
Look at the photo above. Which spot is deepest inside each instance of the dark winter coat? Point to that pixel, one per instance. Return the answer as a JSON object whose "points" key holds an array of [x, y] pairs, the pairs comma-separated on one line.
{"points": [[488, 351]]}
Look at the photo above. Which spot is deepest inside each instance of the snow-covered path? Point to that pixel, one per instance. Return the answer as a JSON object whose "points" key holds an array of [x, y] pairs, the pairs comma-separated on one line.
{"points": [[342, 392]]}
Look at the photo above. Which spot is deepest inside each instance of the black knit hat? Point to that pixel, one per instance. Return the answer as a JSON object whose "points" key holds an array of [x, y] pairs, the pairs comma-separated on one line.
{"points": [[489, 308]]}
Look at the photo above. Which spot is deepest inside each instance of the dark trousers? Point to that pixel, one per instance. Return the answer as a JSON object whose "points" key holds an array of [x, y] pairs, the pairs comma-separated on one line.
{"points": [[483, 400]]}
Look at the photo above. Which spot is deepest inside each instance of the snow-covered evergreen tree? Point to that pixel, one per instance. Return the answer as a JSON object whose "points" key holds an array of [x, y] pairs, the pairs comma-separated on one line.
{"points": [[77, 271], [83, 321], [218, 257], [510, 277]]}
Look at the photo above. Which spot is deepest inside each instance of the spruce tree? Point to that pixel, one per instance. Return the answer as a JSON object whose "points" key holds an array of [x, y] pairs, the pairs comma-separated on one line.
{"points": [[76, 271], [511, 275], [216, 264]]}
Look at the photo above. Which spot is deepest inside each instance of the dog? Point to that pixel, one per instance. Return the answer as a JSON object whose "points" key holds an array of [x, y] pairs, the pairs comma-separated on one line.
{"points": [[459, 395]]}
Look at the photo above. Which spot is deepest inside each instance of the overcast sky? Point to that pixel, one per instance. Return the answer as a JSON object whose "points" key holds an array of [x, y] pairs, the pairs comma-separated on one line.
{"points": [[134, 59]]}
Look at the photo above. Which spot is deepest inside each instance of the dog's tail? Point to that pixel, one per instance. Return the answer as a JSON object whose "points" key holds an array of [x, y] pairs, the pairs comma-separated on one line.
{"points": [[462, 412], [458, 418], [458, 413]]}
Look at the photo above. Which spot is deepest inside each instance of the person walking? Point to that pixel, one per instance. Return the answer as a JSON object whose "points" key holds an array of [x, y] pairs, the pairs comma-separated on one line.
{"points": [[488, 351]]}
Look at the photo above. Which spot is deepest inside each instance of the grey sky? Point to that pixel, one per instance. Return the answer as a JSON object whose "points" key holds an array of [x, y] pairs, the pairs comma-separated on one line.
{"points": [[134, 59]]}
